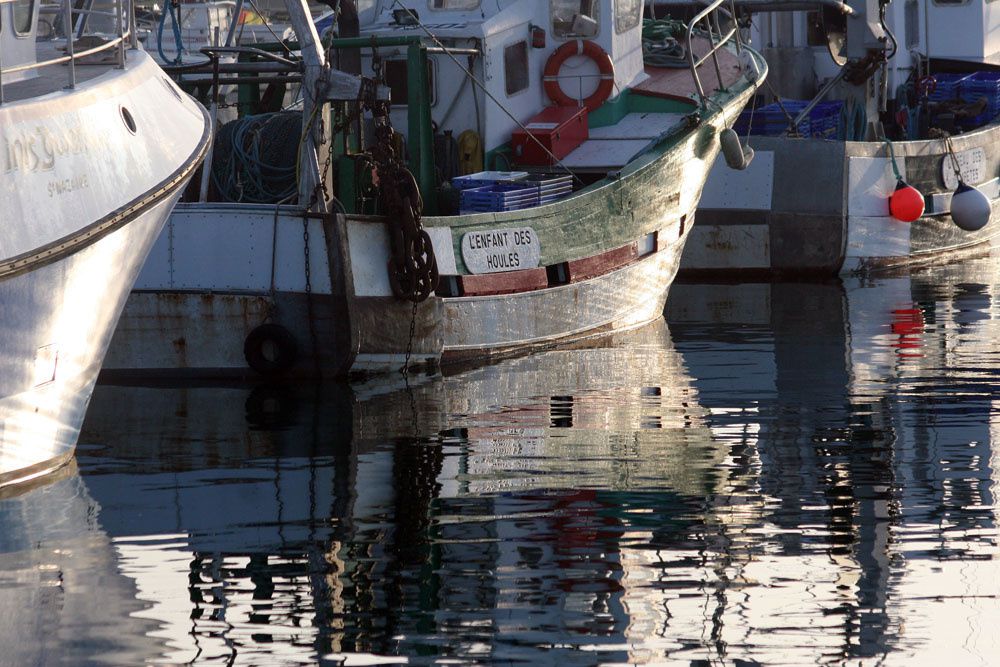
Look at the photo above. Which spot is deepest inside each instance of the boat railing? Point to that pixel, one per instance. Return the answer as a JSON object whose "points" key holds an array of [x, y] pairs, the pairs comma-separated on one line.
{"points": [[124, 35], [706, 23]]}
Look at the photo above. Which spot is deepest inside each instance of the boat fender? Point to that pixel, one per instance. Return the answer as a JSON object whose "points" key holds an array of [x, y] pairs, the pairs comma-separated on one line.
{"points": [[970, 208], [270, 349], [579, 48], [737, 155], [906, 204]]}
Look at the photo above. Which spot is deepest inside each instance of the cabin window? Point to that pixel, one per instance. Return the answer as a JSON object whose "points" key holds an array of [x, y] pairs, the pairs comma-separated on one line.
{"points": [[951, 2], [515, 67], [454, 4], [628, 13], [574, 18], [23, 10], [399, 84]]}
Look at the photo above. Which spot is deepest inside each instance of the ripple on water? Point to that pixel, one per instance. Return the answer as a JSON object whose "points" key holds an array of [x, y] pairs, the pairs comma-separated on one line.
{"points": [[778, 474]]}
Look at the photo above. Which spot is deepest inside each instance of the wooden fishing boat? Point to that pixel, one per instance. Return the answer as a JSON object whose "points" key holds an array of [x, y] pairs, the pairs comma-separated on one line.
{"points": [[589, 165], [888, 106], [96, 145]]}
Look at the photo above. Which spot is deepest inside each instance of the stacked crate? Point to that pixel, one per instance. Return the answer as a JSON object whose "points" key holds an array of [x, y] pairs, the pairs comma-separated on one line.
{"points": [[771, 120], [508, 191], [975, 86], [946, 87]]}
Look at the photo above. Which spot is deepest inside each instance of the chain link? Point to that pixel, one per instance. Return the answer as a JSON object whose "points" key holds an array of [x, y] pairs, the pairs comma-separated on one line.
{"points": [[405, 370]]}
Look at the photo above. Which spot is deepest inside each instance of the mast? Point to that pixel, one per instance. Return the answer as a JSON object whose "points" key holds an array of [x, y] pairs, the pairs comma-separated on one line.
{"points": [[314, 111]]}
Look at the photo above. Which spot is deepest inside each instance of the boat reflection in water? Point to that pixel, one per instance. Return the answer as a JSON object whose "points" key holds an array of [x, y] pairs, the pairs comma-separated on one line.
{"points": [[62, 598], [805, 476], [868, 429]]}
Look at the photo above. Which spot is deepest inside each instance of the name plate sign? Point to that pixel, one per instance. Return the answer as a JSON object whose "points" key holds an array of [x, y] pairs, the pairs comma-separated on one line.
{"points": [[496, 250], [972, 162]]}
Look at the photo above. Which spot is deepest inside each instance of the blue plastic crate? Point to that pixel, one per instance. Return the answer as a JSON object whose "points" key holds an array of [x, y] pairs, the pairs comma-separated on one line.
{"points": [[976, 86], [551, 184], [486, 178], [771, 120], [824, 118], [947, 86], [500, 197]]}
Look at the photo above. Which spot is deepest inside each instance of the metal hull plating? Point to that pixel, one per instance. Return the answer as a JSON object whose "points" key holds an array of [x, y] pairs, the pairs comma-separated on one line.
{"points": [[58, 320], [808, 207], [90, 177]]}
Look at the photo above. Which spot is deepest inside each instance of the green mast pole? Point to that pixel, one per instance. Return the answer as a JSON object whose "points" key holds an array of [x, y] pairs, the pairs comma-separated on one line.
{"points": [[421, 139]]}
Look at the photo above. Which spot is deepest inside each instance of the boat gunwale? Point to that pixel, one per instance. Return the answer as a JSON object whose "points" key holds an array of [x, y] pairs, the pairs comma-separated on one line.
{"points": [[115, 219]]}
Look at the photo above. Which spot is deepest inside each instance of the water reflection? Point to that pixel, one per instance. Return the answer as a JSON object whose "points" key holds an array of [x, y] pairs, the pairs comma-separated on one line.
{"points": [[62, 598], [789, 474]]}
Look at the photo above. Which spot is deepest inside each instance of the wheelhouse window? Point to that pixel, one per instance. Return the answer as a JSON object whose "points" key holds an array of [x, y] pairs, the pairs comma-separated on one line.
{"points": [[399, 83], [628, 13], [515, 67], [574, 18], [454, 4], [23, 13]]}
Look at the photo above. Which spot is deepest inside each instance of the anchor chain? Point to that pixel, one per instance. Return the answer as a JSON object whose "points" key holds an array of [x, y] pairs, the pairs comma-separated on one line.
{"points": [[413, 271]]}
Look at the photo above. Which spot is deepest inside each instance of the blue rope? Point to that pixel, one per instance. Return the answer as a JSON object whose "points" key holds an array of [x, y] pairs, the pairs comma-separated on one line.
{"points": [[255, 158], [851, 126], [174, 20]]}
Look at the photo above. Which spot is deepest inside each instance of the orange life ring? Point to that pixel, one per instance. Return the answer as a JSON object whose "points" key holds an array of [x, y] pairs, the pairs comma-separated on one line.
{"points": [[581, 48]]}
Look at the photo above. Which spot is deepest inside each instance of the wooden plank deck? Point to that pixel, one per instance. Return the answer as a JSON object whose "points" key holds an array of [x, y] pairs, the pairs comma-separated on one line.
{"points": [[678, 84]]}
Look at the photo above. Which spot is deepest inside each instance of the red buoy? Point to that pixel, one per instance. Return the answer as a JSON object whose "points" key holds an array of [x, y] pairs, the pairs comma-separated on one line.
{"points": [[906, 203]]}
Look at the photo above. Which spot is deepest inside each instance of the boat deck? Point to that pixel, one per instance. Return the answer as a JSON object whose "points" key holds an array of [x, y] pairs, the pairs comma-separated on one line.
{"points": [[676, 83], [613, 146], [54, 78]]}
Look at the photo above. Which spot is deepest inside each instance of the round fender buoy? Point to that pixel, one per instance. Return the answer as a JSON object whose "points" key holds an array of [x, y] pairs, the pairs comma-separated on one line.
{"points": [[736, 154], [970, 209], [906, 203], [579, 48], [270, 349]]}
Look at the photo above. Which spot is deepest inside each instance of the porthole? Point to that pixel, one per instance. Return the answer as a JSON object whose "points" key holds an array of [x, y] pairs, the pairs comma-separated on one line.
{"points": [[127, 119]]}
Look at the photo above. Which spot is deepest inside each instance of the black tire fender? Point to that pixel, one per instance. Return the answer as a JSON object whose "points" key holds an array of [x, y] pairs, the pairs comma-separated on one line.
{"points": [[270, 349]]}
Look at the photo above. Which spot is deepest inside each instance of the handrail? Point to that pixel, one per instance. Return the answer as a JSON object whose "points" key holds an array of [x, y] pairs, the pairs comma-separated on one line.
{"points": [[122, 37], [711, 19]]}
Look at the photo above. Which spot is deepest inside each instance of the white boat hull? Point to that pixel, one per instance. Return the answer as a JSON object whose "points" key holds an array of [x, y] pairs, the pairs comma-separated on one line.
{"points": [[83, 199]]}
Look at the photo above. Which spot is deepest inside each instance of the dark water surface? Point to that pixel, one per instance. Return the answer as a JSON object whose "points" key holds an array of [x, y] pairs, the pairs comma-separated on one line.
{"points": [[776, 474]]}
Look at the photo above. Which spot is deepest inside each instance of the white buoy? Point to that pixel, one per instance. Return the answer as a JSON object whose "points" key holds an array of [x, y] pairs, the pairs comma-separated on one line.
{"points": [[736, 157], [970, 209]]}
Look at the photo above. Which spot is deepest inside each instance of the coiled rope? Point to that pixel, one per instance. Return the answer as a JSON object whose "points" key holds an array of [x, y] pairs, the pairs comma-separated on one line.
{"points": [[660, 43], [256, 158]]}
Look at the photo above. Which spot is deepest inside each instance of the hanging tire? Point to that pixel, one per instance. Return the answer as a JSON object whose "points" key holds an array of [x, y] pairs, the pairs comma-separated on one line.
{"points": [[270, 349]]}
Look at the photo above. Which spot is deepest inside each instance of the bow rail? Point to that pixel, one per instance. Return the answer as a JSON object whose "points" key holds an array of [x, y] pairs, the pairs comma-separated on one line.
{"points": [[712, 27], [70, 17]]}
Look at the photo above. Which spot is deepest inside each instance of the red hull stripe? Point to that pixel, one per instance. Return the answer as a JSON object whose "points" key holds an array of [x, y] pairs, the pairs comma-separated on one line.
{"points": [[507, 282], [527, 280], [598, 265]]}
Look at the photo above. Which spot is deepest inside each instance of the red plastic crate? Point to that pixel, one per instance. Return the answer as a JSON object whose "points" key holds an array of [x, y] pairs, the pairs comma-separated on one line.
{"points": [[559, 129]]}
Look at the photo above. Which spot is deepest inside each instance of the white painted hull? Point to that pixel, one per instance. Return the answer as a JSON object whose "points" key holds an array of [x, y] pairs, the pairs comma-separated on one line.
{"points": [[815, 207], [58, 320], [85, 201]]}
